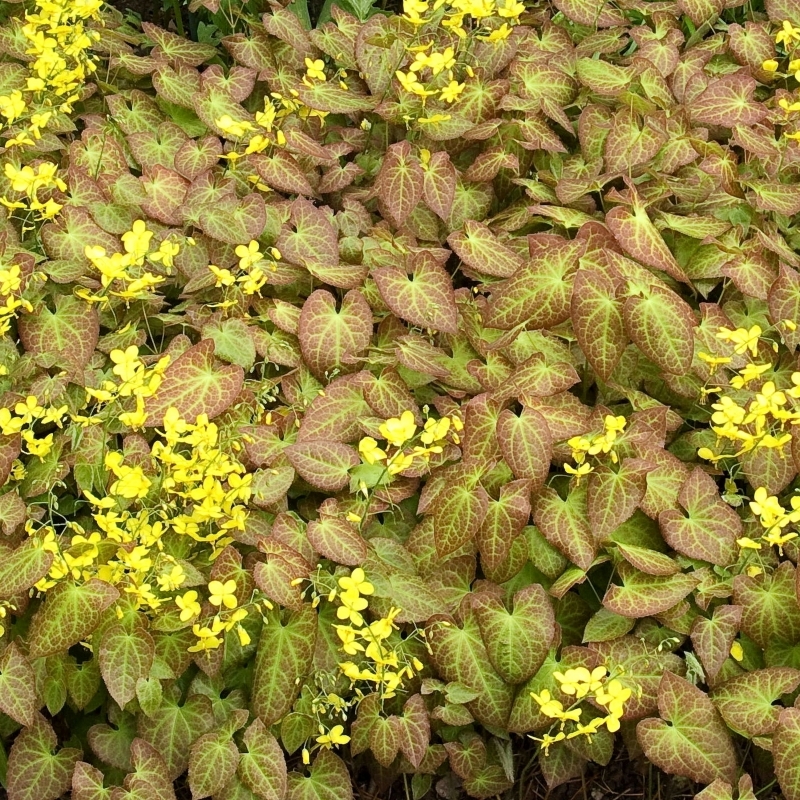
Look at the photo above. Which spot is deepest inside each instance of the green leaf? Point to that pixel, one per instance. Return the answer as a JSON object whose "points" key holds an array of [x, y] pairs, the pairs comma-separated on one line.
{"points": [[710, 527], [22, 567], [662, 327], [643, 595], [784, 303], [712, 638], [480, 249], [69, 334], [785, 746], [263, 768], [565, 524], [87, 783], [597, 320], [70, 613], [746, 701], [17, 686], [516, 642], [328, 779], [770, 612], [460, 655], [690, 739], [425, 299], [333, 99], [149, 772], [330, 339], [460, 512], [34, 772], [125, 656], [526, 444], [504, 521], [284, 658], [178, 49], [539, 293], [337, 539], [195, 383], [325, 465], [232, 342], [412, 730], [212, 763], [399, 182], [613, 496], [173, 729], [728, 101]]}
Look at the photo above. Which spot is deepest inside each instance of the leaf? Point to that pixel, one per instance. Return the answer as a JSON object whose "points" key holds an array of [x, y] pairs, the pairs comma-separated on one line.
{"points": [[517, 642], [399, 182], [196, 384], [504, 521], [70, 613], [782, 198], [597, 320], [125, 656], [614, 496], [712, 638], [643, 595], [784, 752], [22, 567], [282, 173], [770, 611], [328, 780], [34, 772], [602, 77], [173, 729], [746, 701], [710, 530], [426, 299], [232, 342], [539, 293], [149, 772], [662, 327], [263, 768], [284, 658], [728, 101], [178, 49], [313, 240], [17, 686], [337, 539], [479, 248], [331, 339], [526, 444], [412, 730], [459, 513], [695, 744], [639, 238], [784, 303], [69, 333], [439, 184], [325, 465], [460, 655], [331, 98], [565, 524], [87, 783], [212, 763]]}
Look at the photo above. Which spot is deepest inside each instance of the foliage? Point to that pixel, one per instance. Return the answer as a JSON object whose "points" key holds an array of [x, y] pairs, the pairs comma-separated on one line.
{"points": [[401, 397]]}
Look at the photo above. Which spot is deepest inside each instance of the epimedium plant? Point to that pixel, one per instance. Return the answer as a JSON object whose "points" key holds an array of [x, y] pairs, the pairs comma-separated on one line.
{"points": [[416, 394]]}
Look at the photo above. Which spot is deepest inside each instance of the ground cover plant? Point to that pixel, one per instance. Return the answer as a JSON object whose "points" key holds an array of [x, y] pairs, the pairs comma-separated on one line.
{"points": [[401, 406]]}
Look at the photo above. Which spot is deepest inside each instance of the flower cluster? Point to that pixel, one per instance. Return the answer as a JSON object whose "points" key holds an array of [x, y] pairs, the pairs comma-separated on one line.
{"points": [[749, 418], [774, 519], [28, 182], [382, 664], [59, 39], [489, 19], [595, 445], [124, 274], [399, 433], [606, 691], [24, 417], [252, 262], [12, 285]]}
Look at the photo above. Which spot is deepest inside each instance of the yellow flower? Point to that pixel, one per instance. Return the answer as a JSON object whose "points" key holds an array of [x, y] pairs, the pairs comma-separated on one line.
{"points": [[744, 339], [334, 736], [370, 451], [452, 91], [548, 740], [249, 254], [581, 471], [787, 34], [166, 253], [12, 105], [315, 69], [356, 582], [234, 128], [510, 9], [352, 605], [126, 362], [434, 119], [737, 651], [137, 240], [350, 645], [410, 83], [37, 447], [222, 593], [398, 431], [580, 681], [747, 543]]}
